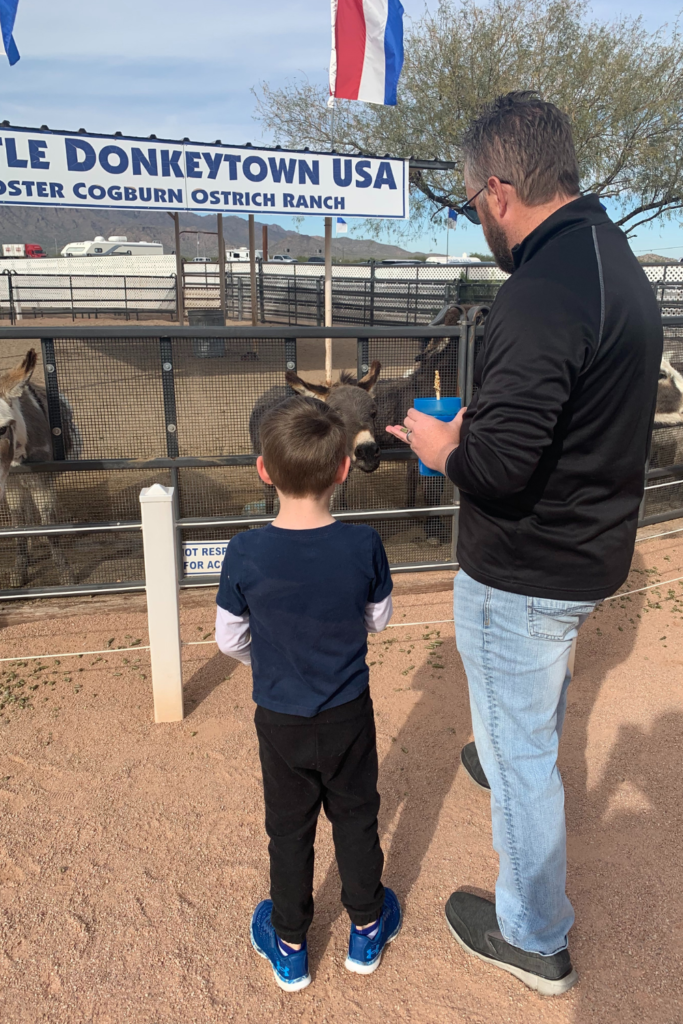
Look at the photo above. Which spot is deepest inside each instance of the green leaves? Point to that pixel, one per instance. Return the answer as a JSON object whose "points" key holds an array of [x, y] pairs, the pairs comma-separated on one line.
{"points": [[621, 85]]}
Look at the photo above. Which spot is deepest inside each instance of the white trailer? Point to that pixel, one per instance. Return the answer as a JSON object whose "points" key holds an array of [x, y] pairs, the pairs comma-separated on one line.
{"points": [[115, 245], [241, 255]]}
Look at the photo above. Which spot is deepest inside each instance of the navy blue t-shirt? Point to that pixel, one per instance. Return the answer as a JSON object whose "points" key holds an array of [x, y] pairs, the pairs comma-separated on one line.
{"points": [[306, 592]]}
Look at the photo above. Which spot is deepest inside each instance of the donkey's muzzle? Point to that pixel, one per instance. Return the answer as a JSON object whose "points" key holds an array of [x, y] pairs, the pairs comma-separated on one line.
{"points": [[367, 456]]}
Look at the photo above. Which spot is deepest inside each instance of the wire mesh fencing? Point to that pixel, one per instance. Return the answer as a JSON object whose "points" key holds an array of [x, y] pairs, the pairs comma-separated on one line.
{"points": [[130, 407]]}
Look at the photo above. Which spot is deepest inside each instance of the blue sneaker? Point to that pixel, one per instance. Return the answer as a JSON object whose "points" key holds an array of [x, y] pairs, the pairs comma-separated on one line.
{"points": [[291, 972], [365, 953]]}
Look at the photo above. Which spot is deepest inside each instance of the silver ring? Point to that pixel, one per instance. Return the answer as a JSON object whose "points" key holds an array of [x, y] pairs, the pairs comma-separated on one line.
{"points": [[408, 433]]}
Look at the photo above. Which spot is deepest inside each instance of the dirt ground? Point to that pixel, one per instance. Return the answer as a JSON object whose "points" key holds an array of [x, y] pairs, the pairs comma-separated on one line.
{"points": [[132, 854]]}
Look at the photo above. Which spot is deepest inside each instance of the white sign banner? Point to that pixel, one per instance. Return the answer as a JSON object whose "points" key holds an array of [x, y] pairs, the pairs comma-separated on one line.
{"points": [[40, 168], [203, 558]]}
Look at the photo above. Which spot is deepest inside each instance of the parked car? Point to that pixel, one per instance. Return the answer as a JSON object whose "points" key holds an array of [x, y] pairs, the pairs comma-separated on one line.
{"points": [[203, 259], [280, 258], [316, 259]]}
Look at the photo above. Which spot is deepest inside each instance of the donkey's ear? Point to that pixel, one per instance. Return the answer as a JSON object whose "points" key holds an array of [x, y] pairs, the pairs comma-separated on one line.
{"points": [[15, 380], [371, 377], [319, 391]]}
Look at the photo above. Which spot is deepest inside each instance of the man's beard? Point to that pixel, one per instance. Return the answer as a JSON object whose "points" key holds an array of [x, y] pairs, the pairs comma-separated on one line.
{"points": [[495, 236]]}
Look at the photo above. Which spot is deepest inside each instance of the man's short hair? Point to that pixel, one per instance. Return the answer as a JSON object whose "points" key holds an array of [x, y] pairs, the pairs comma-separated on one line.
{"points": [[526, 142], [303, 442]]}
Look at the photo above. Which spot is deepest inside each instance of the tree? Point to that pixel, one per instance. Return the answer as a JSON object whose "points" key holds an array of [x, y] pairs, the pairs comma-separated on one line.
{"points": [[621, 85]]}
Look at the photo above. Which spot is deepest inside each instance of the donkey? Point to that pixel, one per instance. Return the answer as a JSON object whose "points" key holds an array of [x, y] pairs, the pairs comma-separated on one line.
{"points": [[354, 402], [667, 445], [25, 437]]}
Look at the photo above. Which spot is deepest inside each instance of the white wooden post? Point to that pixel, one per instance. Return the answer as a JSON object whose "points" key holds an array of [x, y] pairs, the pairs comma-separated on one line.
{"points": [[159, 541], [572, 656]]}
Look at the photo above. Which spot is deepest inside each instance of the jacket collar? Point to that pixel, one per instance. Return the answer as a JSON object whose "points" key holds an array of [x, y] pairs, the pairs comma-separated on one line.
{"points": [[582, 212]]}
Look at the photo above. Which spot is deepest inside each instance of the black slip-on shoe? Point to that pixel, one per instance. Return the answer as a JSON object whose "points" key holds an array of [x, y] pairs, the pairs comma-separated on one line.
{"points": [[472, 921], [472, 765]]}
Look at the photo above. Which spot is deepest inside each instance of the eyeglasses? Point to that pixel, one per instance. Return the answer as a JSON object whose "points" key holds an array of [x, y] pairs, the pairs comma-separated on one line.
{"points": [[468, 209]]}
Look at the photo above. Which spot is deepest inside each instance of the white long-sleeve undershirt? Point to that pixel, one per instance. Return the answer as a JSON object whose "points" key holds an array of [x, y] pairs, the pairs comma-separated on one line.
{"points": [[233, 634]]}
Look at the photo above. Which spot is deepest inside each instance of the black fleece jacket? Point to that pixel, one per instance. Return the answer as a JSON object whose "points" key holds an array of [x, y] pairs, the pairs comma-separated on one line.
{"points": [[554, 443]]}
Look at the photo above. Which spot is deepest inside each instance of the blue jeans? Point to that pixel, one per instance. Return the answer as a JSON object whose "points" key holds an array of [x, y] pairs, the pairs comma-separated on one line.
{"points": [[515, 651]]}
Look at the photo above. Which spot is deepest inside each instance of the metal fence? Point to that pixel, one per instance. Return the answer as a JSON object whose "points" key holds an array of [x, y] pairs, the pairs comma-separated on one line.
{"points": [[369, 294], [131, 407], [363, 295], [86, 295]]}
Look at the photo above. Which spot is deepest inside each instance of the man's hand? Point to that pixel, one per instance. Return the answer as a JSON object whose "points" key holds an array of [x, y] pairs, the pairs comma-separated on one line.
{"points": [[431, 439]]}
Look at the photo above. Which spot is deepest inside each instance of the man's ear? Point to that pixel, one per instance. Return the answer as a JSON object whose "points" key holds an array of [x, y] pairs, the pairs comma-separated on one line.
{"points": [[497, 196], [343, 470], [319, 391], [371, 377], [262, 471]]}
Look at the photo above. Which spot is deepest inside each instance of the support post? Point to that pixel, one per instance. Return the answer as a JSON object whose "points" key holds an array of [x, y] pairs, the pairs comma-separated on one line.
{"points": [[328, 297], [159, 541], [180, 292], [252, 270], [264, 243], [54, 405], [221, 264]]}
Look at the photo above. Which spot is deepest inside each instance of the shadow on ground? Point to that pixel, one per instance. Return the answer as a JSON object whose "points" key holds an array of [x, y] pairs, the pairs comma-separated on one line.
{"points": [[415, 777], [205, 680]]}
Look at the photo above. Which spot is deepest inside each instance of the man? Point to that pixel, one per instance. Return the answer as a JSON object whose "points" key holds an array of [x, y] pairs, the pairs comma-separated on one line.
{"points": [[549, 459]]}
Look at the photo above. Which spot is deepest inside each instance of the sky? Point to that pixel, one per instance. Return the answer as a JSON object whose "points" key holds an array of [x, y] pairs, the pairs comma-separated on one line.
{"points": [[181, 69]]}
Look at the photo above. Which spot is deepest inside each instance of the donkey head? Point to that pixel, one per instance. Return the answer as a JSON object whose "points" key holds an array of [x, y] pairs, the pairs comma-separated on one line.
{"points": [[352, 400], [12, 425], [669, 410]]}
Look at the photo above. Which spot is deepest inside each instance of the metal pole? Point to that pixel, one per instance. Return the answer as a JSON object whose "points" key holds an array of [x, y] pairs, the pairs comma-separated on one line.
{"points": [[264, 243], [328, 297], [252, 270], [221, 264], [180, 296]]}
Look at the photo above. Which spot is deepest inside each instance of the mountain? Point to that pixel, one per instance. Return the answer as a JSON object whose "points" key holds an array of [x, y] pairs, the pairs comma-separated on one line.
{"points": [[652, 257], [55, 228]]}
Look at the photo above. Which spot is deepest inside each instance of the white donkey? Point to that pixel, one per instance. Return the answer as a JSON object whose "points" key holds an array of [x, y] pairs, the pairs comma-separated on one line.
{"points": [[25, 437]]}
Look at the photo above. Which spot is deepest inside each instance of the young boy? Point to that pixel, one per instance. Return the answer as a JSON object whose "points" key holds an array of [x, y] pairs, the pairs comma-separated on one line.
{"points": [[296, 601]]}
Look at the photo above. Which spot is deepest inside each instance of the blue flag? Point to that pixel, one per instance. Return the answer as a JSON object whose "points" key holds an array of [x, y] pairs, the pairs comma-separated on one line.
{"points": [[8, 12], [452, 215]]}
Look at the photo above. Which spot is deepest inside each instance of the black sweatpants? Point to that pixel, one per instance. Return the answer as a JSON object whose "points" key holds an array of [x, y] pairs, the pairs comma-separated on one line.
{"points": [[330, 759]]}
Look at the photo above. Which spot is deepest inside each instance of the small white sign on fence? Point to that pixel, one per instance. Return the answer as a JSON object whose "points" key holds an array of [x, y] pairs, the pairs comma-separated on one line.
{"points": [[203, 558]]}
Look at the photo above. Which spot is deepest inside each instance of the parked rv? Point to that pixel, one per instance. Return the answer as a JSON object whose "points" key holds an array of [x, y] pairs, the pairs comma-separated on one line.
{"points": [[115, 245], [453, 259], [23, 250], [242, 255]]}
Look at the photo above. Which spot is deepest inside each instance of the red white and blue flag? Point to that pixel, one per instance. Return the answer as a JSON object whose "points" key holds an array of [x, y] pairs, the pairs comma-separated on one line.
{"points": [[367, 50]]}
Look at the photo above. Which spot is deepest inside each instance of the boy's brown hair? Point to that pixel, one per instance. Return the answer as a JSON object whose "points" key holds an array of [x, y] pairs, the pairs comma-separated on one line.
{"points": [[303, 442]]}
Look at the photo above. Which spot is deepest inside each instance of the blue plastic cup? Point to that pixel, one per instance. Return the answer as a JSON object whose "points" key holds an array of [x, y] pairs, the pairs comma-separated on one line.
{"points": [[445, 409]]}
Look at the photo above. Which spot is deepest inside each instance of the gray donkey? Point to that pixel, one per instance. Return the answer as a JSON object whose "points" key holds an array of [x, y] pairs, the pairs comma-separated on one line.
{"points": [[25, 437], [352, 399]]}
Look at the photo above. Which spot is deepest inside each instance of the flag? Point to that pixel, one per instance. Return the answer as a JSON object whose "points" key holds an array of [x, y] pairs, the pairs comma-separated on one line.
{"points": [[367, 50], [342, 226], [452, 218], [8, 12]]}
